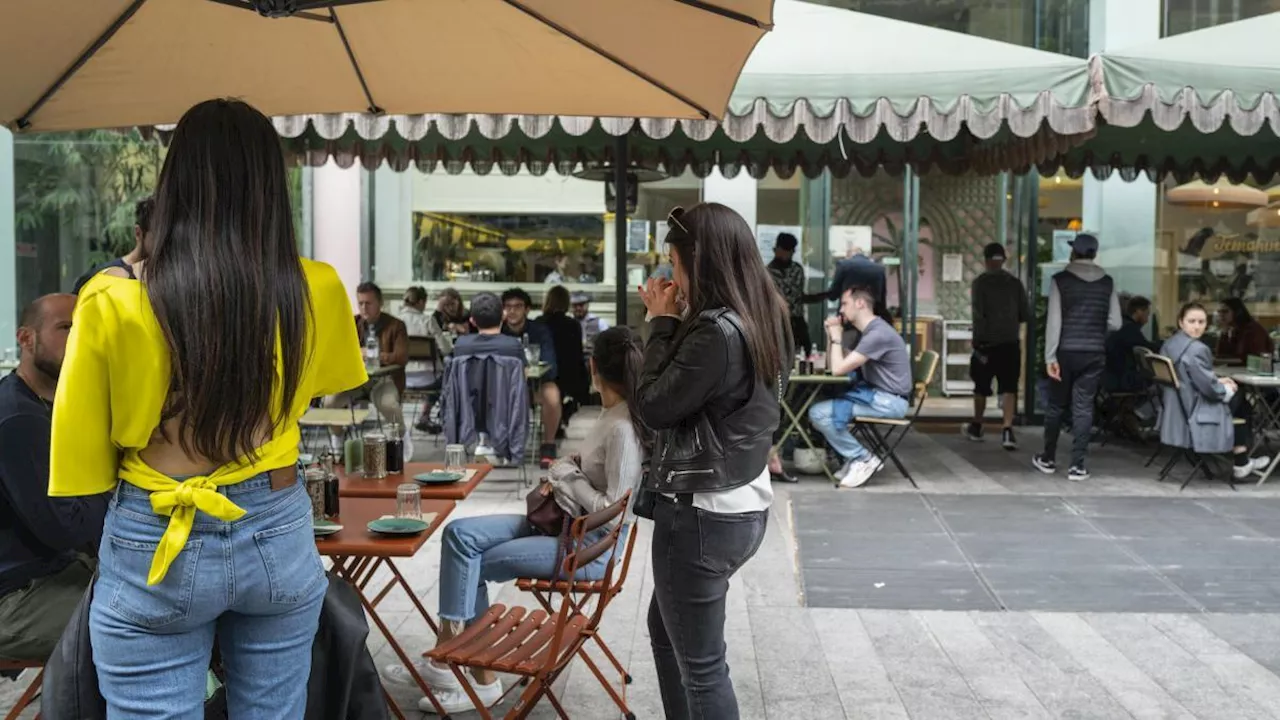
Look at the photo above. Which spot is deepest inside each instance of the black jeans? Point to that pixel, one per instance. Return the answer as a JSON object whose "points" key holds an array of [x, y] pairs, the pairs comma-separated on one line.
{"points": [[1081, 377], [695, 552]]}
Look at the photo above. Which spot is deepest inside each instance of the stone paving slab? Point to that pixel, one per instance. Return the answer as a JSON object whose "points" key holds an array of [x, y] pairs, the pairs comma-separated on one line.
{"points": [[906, 644]]}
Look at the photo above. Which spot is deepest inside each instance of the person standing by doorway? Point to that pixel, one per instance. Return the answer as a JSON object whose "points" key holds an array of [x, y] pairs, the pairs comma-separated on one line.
{"points": [[788, 276], [999, 310], [1083, 308]]}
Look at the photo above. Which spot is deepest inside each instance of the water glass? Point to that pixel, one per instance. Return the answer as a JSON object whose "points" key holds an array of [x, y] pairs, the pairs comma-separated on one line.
{"points": [[533, 354], [408, 501], [455, 458]]}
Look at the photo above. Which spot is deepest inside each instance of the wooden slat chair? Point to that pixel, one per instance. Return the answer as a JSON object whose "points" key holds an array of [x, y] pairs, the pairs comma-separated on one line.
{"points": [[882, 435], [1166, 375], [537, 645], [28, 696], [580, 593]]}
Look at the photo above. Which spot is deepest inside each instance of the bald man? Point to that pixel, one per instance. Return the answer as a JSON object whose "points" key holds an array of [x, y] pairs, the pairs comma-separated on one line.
{"points": [[43, 568]]}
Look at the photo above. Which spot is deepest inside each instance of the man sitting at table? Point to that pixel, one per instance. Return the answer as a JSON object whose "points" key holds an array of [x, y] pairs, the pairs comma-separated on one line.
{"points": [[515, 305], [880, 373], [488, 339], [393, 349], [43, 573]]}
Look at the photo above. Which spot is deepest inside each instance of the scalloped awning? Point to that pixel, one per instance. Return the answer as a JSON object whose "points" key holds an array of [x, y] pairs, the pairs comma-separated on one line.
{"points": [[1201, 104], [827, 89]]}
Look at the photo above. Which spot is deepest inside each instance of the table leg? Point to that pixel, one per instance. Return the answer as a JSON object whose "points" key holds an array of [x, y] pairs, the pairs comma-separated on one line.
{"points": [[796, 426], [340, 565]]}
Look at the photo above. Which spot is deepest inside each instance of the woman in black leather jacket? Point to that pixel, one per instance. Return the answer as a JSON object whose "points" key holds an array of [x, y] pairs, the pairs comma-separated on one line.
{"points": [[713, 375]]}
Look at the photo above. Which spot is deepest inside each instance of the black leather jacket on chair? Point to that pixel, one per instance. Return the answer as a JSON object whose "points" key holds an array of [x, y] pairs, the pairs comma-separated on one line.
{"points": [[714, 419]]}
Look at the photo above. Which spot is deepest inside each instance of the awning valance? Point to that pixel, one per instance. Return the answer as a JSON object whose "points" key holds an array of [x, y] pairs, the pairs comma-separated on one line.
{"points": [[828, 88]]}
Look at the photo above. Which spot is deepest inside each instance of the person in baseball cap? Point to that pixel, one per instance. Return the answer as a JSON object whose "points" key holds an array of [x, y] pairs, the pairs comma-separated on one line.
{"points": [[1083, 308], [999, 311], [592, 325]]}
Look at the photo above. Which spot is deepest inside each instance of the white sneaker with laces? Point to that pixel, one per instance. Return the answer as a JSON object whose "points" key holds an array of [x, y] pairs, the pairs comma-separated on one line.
{"points": [[859, 473], [437, 677], [456, 700]]}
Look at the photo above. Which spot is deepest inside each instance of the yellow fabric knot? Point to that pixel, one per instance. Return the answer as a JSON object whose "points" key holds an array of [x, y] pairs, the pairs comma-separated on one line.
{"points": [[180, 503]]}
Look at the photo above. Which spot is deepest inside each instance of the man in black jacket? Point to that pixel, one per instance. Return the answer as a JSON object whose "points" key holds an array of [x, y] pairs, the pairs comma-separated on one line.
{"points": [[43, 573], [1083, 308]]}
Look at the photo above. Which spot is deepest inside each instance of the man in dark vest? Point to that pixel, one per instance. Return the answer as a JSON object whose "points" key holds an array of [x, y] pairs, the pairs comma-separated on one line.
{"points": [[1083, 308]]}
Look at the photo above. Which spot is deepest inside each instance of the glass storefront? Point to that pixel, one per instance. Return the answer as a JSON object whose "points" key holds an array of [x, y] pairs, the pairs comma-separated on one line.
{"points": [[1181, 16], [1057, 25]]}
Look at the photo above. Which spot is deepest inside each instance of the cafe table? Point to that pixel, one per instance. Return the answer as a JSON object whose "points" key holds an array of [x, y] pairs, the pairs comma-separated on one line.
{"points": [[357, 485], [357, 553], [806, 389], [1262, 396]]}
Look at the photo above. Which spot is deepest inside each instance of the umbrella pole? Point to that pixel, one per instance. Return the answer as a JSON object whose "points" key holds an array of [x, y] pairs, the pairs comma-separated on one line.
{"points": [[620, 192]]}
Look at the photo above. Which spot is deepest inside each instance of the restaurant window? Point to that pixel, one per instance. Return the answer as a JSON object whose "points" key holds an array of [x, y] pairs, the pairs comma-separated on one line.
{"points": [[1217, 241], [1056, 25], [74, 199], [1182, 16]]}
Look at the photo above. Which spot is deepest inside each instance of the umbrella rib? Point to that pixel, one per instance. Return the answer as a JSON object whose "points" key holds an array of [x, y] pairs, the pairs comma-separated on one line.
{"points": [[726, 13], [373, 106], [25, 120], [609, 56]]}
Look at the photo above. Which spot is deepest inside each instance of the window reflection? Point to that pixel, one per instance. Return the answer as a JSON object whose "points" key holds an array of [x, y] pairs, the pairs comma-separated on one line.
{"points": [[535, 248]]}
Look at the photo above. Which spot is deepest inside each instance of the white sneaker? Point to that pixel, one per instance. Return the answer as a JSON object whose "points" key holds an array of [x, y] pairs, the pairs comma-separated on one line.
{"points": [[437, 677], [1255, 465], [456, 700], [859, 473]]}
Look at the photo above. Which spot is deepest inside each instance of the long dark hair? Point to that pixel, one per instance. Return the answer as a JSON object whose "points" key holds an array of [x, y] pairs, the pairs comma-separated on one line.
{"points": [[556, 301], [619, 359], [225, 281], [718, 253], [1240, 315]]}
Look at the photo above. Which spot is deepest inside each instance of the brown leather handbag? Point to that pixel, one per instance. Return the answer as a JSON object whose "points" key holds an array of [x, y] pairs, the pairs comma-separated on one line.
{"points": [[546, 516]]}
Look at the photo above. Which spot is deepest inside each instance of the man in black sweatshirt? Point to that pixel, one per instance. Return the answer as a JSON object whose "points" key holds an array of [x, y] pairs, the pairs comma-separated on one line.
{"points": [[45, 542], [999, 311], [1083, 308]]}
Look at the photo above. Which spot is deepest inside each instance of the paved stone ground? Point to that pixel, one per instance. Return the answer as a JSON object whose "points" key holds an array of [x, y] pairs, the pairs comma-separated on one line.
{"points": [[1015, 646]]}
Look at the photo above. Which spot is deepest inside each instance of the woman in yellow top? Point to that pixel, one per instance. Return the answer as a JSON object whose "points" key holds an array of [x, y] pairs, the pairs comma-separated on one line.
{"points": [[183, 392]]}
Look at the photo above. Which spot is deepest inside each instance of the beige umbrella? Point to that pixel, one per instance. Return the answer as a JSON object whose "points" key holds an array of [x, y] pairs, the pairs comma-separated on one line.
{"points": [[72, 64], [1222, 195]]}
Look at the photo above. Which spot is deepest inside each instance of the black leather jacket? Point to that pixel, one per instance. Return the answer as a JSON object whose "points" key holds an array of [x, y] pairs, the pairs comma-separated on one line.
{"points": [[714, 419]]}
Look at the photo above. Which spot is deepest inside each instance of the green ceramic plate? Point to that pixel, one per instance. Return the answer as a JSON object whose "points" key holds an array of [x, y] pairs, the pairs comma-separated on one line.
{"points": [[397, 526], [324, 527], [438, 477]]}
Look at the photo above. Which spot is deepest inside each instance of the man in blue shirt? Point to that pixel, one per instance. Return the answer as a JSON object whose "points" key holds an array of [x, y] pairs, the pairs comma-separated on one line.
{"points": [[488, 339], [516, 304], [43, 573]]}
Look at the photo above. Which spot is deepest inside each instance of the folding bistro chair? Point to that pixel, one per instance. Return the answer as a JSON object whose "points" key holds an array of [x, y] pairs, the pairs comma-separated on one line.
{"points": [[423, 349], [1166, 375], [538, 645], [580, 593], [28, 696], [882, 435]]}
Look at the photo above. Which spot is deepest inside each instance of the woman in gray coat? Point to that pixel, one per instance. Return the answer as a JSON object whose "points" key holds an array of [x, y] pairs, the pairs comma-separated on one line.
{"points": [[1210, 403]]}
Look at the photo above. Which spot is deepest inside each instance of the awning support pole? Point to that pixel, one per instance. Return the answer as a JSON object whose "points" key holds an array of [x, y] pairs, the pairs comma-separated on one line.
{"points": [[620, 192]]}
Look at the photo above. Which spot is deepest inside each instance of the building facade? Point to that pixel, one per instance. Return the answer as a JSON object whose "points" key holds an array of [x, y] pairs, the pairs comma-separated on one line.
{"points": [[66, 203]]}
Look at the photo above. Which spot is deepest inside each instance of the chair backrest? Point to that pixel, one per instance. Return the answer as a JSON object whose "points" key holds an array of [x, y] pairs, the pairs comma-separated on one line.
{"points": [[1143, 357], [926, 368], [474, 382], [423, 349], [580, 554], [1163, 371]]}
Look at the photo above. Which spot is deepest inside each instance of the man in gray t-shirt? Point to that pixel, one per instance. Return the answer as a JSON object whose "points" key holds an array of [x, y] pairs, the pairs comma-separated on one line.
{"points": [[883, 390]]}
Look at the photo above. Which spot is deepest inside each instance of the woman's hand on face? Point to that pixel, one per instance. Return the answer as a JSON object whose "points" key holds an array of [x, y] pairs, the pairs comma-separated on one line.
{"points": [[660, 297]]}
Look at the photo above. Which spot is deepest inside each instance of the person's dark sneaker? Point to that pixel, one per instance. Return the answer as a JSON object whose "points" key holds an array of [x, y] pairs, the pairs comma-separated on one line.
{"points": [[1007, 440], [1077, 473], [546, 455], [972, 430], [560, 433], [1044, 465]]}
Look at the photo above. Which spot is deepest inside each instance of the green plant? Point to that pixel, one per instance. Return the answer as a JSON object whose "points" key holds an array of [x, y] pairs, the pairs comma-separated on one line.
{"points": [[86, 182]]}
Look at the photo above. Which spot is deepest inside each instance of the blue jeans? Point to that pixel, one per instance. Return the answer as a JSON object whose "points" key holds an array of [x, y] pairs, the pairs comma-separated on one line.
{"points": [[256, 585], [831, 418], [497, 548]]}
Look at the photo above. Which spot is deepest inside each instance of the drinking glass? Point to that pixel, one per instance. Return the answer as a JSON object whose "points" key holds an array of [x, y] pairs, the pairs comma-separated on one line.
{"points": [[533, 354], [408, 501], [455, 458]]}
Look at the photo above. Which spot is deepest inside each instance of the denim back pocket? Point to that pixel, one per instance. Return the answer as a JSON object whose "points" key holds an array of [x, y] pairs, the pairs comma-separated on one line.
{"points": [[292, 563], [150, 606]]}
